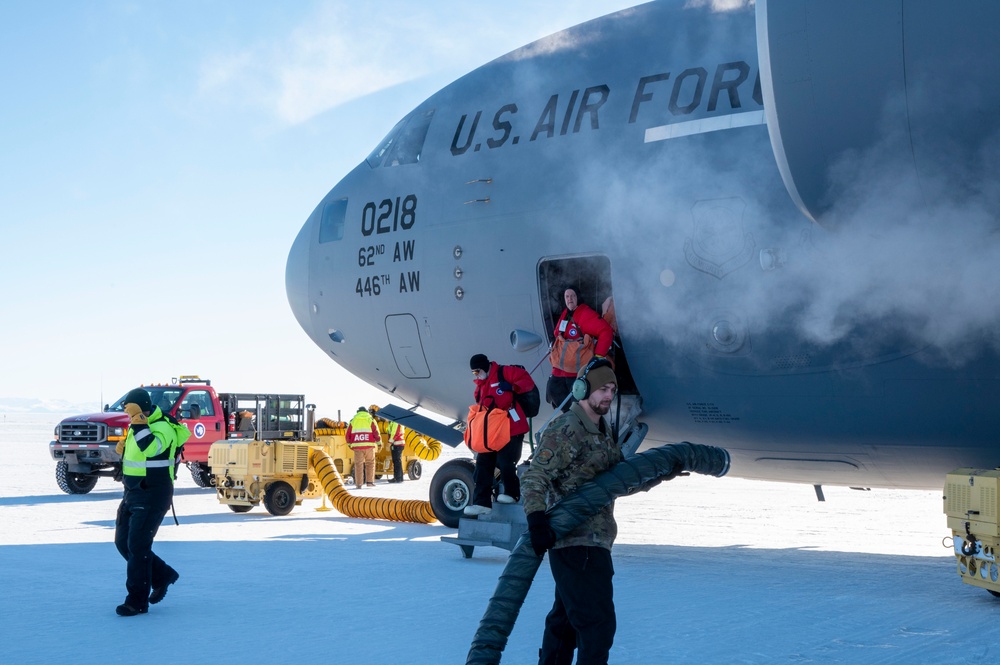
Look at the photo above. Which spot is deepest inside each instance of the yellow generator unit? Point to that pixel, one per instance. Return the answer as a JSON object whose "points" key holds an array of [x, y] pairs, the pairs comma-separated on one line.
{"points": [[330, 436], [276, 473], [972, 504]]}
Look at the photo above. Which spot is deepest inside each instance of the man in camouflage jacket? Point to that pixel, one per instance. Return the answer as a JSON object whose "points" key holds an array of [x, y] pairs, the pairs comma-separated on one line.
{"points": [[576, 447]]}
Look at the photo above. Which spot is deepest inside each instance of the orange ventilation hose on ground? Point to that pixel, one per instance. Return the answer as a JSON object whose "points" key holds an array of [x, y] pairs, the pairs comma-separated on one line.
{"points": [[397, 510]]}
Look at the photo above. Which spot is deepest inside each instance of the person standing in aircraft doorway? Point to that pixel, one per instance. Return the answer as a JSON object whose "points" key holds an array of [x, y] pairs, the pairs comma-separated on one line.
{"points": [[363, 438], [495, 387], [580, 335]]}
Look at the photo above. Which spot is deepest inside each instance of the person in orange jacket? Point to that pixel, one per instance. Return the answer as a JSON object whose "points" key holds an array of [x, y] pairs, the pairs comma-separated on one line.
{"points": [[572, 350], [496, 386]]}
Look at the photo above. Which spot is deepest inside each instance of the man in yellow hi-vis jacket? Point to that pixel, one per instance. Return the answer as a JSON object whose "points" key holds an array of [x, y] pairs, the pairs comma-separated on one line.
{"points": [[148, 462]]}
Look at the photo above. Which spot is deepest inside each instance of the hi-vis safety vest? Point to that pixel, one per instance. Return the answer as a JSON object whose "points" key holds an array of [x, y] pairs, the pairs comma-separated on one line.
{"points": [[395, 433], [361, 432], [159, 453]]}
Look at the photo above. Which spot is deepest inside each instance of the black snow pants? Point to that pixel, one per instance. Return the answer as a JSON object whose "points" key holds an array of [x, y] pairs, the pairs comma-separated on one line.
{"points": [[506, 460], [139, 516], [583, 614]]}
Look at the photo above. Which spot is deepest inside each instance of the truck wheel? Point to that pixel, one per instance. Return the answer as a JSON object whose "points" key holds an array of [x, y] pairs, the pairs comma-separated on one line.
{"points": [[451, 491], [414, 470], [73, 483], [202, 475], [239, 509], [279, 498]]}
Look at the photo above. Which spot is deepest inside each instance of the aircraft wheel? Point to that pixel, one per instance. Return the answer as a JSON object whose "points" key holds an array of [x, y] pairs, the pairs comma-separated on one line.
{"points": [[279, 498], [239, 509], [73, 483], [994, 593], [414, 470], [451, 490]]}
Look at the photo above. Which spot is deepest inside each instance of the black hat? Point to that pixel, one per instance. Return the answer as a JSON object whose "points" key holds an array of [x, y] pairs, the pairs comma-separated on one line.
{"points": [[362, 408], [479, 361], [140, 398]]}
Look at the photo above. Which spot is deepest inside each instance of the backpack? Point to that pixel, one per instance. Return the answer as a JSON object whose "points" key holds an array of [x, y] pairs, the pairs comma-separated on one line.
{"points": [[530, 401]]}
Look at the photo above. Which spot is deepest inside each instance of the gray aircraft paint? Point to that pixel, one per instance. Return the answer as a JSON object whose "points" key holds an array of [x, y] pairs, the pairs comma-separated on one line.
{"points": [[802, 243]]}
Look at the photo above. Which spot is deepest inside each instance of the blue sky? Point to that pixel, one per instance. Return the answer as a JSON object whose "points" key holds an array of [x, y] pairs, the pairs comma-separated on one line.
{"points": [[159, 158]]}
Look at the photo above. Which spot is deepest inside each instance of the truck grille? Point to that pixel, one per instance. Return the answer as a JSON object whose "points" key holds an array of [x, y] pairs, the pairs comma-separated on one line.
{"points": [[82, 433]]}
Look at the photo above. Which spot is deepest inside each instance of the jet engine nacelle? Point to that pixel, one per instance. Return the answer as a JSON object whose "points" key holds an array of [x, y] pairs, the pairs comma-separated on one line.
{"points": [[894, 87]]}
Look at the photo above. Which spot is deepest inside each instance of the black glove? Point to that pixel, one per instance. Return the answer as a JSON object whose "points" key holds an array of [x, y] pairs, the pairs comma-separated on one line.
{"points": [[542, 535], [503, 386]]}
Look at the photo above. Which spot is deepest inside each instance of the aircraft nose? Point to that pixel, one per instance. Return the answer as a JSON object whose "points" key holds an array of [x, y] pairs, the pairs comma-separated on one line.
{"points": [[297, 277]]}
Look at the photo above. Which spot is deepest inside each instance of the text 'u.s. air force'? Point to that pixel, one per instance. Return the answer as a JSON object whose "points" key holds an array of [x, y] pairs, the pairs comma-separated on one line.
{"points": [[729, 89]]}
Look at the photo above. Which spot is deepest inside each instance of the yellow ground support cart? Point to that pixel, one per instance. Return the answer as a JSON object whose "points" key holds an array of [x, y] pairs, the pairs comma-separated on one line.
{"points": [[278, 473], [972, 504]]}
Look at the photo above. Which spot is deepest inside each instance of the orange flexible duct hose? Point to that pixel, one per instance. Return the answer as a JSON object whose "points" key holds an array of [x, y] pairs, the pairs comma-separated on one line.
{"points": [[328, 427], [397, 510], [423, 447], [417, 445]]}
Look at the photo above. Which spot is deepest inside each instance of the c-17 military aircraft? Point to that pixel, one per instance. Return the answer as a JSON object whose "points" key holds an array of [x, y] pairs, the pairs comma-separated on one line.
{"points": [[793, 204]]}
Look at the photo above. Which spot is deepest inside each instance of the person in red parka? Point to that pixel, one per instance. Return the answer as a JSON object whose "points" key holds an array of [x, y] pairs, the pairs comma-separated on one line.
{"points": [[571, 352], [492, 389]]}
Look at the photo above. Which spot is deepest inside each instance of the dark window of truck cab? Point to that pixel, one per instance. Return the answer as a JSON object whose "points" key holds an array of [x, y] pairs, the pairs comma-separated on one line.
{"points": [[404, 143], [199, 399], [331, 224]]}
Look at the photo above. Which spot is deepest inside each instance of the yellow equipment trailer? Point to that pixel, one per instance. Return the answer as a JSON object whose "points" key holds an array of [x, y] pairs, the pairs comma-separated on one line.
{"points": [[279, 475], [972, 504], [276, 473]]}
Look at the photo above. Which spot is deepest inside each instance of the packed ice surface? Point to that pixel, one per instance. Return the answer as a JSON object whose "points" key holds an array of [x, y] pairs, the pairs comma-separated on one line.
{"points": [[707, 570]]}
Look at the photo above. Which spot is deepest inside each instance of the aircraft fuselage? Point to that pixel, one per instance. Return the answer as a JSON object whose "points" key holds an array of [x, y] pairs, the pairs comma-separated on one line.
{"points": [[698, 167]]}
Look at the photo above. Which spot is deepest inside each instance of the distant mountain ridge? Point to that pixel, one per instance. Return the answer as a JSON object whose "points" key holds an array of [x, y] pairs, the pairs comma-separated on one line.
{"points": [[35, 405]]}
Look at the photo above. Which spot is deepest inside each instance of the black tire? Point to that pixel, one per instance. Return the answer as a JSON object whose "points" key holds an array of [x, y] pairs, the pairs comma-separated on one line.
{"points": [[415, 470], [451, 490], [239, 509], [73, 483], [993, 593], [201, 474], [279, 498]]}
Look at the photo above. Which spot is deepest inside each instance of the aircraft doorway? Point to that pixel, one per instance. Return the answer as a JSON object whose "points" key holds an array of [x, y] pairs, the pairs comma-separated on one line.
{"points": [[590, 276]]}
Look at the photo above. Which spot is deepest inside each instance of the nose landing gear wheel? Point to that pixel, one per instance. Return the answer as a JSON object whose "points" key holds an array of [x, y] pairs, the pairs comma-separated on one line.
{"points": [[451, 491]]}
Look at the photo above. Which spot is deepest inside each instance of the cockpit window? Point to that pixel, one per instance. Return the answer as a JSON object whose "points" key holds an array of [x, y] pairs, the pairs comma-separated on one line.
{"points": [[404, 143], [331, 224], [378, 154]]}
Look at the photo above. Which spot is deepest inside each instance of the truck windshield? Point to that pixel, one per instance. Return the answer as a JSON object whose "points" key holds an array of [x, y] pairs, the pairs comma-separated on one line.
{"points": [[164, 397]]}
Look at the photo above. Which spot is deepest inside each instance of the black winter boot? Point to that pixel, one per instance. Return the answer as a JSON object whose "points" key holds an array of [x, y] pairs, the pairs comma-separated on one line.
{"points": [[158, 592], [126, 610]]}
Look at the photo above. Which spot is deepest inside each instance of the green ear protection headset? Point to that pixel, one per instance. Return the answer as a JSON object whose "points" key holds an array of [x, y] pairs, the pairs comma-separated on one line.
{"points": [[581, 389]]}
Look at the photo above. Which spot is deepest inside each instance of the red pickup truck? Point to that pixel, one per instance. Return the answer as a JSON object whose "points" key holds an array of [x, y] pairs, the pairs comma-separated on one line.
{"points": [[84, 445]]}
